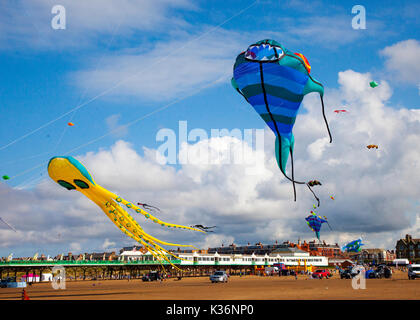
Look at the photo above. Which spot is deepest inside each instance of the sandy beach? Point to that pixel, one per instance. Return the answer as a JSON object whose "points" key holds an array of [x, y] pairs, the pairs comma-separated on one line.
{"points": [[237, 288]]}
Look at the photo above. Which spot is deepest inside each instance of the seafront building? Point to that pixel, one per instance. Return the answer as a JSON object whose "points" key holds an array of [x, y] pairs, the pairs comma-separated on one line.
{"points": [[373, 255], [135, 261], [289, 257], [408, 248]]}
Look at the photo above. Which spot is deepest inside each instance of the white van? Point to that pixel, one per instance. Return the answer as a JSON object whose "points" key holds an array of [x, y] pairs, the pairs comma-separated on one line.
{"points": [[413, 271]]}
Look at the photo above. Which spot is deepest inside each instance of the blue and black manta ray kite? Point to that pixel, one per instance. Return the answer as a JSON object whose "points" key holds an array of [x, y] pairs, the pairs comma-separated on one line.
{"points": [[315, 223], [274, 81]]}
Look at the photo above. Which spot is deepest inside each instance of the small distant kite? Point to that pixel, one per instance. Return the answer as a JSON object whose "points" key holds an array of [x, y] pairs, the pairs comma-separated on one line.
{"points": [[314, 183], [6, 177], [8, 224], [373, 84], [332, 197], [201, 227], [315, 222], [371, 146], [353, 246], [71, 124], [340, 111]]}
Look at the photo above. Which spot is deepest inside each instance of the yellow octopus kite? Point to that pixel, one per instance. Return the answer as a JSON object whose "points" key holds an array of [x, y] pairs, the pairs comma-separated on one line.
{"points": [[72, 175]]}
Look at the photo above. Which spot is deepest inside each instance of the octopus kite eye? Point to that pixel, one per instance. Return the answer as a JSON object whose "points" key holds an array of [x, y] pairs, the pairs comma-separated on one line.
{"points": [[66, 185], [81, 184]]}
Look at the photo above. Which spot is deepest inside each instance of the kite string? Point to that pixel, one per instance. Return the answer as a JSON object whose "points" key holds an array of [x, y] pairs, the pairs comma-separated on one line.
{"points": [[116, 85], [124, 126], [89, 86]]}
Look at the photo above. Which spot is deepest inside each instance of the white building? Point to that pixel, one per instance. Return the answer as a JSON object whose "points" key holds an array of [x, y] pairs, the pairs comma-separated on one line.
{"points": [[132, 255], [293, 258]]}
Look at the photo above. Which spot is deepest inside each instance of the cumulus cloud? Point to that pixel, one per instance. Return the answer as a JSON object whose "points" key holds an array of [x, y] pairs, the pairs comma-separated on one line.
{"points": [[375, 191], [108, 244], [166, 69], [215, 240], [28, 24], [401, 59]]}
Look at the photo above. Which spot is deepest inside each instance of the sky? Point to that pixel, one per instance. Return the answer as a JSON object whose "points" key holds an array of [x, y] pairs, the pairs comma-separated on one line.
{"points": [[128, 72]]}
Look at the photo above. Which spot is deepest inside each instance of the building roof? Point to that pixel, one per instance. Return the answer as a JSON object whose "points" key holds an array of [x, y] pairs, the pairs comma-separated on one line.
{"points": [[408, 239], [289, 250], [132, 253], [339, 260], [373, 250]]}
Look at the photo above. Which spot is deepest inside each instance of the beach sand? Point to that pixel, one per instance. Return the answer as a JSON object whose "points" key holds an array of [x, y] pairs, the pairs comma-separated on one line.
{"points": [[238, 288]]}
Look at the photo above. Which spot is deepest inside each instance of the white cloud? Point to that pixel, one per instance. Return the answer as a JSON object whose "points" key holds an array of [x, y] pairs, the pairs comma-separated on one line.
{"points": [[108, 244], [166, 69], [376, 191], [402, 60], [113, 125], [215, 240], [316, 148], [28, 24], [330, 30], [75, 246]]}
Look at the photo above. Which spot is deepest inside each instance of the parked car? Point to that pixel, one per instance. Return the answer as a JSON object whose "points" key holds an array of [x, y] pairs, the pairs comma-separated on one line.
{"points": [[413, 271], [347, 274], [380, 272], [371, 274], [152, 276], [4, 282], [321, 273], [219, 276], [383, 271]]}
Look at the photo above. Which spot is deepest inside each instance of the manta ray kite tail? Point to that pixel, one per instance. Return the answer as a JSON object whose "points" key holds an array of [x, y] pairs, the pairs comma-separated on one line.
{"points": [[274, 81], [72, 175]]}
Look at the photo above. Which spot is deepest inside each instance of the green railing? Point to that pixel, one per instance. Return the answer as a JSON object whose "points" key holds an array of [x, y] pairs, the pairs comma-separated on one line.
{"points": [[84, 263]]}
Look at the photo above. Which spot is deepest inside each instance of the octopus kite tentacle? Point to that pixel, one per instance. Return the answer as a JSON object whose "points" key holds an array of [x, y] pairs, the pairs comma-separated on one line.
{"points": [[72, 175], [147, 215], [126, 223]]}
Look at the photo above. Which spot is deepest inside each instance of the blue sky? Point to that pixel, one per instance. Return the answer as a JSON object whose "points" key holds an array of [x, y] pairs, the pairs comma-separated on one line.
{"points": [[124, 59]]}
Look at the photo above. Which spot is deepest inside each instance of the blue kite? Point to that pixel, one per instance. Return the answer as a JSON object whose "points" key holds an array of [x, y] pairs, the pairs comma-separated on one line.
{"points": [[315, 223], [274, 81], [353, 246]]}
